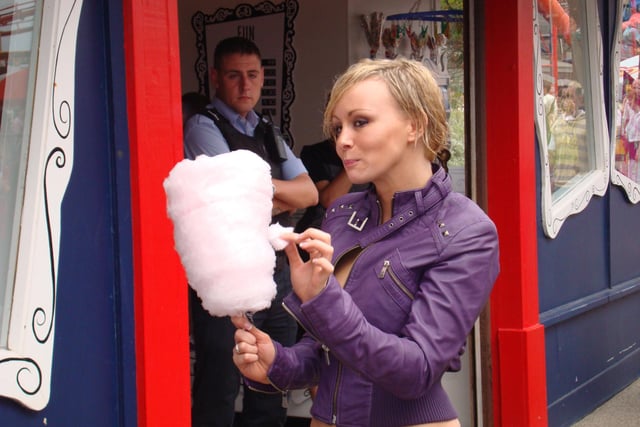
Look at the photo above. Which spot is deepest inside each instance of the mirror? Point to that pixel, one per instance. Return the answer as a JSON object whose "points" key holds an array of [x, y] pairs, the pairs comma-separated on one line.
{"points": [[625, 91], [570, 116]]}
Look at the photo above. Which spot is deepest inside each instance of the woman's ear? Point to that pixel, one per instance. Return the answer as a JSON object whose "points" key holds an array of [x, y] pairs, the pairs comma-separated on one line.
{"points": [[416, 130]]}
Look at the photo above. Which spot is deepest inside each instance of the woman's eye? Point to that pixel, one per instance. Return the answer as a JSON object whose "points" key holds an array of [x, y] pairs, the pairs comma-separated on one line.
{"points": [[359, 123], [336, 130]]}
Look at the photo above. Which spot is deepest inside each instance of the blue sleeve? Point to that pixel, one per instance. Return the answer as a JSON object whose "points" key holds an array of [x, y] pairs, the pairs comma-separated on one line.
{"points": [[202, 136], [293, 166]]}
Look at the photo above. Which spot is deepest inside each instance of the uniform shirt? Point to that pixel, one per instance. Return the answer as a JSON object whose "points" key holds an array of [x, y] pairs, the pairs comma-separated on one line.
{"points": [[202, 136]]}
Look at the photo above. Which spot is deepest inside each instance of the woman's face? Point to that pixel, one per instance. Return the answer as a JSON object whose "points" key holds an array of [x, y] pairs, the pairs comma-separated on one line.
{"points": [[374, 138]]}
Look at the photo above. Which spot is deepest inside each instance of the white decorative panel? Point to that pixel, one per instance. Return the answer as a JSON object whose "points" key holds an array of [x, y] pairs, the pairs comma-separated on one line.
{"points": [[25, 363]]}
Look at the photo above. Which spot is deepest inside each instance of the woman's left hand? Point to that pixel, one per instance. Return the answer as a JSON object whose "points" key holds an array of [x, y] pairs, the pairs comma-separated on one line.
{"points": [[309, 278]]}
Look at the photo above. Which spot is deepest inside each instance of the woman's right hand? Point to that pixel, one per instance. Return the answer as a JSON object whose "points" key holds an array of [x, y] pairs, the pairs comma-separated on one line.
{"points": [[308, 278], [253, 352]]}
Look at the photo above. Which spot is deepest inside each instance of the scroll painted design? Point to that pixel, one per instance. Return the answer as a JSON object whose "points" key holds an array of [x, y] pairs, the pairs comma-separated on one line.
{"points": [[25, 365]]}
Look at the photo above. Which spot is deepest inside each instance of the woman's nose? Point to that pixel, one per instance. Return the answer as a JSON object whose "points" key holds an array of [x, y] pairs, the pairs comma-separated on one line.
{"points": [[344, 139], [342, 144]]}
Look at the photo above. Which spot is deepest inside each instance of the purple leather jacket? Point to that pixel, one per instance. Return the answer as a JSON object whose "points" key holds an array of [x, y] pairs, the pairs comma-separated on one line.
{"points": [[378, 348]]}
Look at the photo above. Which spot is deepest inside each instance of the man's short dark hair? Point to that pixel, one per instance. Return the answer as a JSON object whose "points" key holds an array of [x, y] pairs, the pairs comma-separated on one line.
{"points": [[233, 45]]}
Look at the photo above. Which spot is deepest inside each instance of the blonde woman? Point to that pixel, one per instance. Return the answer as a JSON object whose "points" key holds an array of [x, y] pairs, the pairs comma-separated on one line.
{"points": [[397, 275]]}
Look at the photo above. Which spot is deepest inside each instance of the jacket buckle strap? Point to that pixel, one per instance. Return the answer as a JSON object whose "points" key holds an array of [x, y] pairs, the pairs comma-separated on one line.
{"points": [[357, 223]]}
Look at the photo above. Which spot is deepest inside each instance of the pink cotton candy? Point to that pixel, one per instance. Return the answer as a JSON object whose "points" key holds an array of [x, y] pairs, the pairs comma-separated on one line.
{"points": [[221, 209], [275, 231]]}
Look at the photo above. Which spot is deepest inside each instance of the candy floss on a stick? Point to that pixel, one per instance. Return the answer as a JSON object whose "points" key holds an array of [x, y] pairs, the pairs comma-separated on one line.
{"points": [[221, 209]]}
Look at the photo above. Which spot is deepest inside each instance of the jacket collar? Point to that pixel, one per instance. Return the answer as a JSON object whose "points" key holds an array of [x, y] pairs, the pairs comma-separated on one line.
{"points": [[407, 206]]}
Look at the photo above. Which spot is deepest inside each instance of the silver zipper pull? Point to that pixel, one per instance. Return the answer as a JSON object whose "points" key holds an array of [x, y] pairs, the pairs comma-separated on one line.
{"points": [[383, 271], [326, 353], [285, 400]]}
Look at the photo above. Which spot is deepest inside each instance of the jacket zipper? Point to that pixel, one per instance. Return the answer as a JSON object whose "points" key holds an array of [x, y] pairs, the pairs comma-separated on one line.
{"points": [[386, 267], [334, 403], [284, 392], [334, 409], [323, 345], [267, 392], [325, 348]]}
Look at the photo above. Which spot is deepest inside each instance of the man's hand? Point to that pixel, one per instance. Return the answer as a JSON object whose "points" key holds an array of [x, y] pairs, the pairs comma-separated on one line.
{"points": [[280, 207]]}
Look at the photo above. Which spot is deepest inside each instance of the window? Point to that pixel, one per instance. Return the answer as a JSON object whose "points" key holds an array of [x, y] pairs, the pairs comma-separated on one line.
{"points": [[16, 79], [570, 118], [37, 62], [625, 136]]}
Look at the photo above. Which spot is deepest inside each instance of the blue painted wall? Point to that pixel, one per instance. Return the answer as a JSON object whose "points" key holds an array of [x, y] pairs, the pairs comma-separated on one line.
{"points": [[93, 377], [589, 282]]}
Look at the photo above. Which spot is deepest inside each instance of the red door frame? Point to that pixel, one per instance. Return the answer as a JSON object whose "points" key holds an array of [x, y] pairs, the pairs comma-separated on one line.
{"points": [[517, 337], [152, 66]]}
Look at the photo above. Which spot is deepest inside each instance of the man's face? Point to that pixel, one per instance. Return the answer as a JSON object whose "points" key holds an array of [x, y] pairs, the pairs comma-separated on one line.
{"points": [[238, 82]]}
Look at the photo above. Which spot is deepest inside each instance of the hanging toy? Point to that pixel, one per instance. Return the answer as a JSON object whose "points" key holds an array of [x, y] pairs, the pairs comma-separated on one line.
{"points": [[372, 30], [418, 42], [391, 37]]}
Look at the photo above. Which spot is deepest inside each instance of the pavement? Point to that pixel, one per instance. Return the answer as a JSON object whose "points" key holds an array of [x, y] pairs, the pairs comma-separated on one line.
{"points": [[622, 410]]}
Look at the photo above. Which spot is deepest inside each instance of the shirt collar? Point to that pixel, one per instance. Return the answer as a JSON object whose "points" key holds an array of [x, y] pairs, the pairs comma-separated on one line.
{"points": [[236, 119]]}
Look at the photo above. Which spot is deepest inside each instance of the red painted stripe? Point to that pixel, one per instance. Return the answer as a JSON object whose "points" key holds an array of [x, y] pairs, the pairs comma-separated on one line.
{"points": [[155, 131]]}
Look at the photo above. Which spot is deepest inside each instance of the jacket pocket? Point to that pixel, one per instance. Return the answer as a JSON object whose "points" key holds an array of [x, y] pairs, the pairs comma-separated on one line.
{"points": [[397, 282]]}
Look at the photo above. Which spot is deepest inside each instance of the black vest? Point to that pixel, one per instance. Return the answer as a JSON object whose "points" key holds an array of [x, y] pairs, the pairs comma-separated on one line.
{"points": [[261, 143]]}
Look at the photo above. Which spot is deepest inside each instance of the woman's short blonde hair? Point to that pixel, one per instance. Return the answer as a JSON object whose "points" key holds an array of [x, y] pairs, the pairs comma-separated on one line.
{"points": [[414, 89]]}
